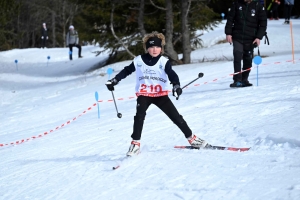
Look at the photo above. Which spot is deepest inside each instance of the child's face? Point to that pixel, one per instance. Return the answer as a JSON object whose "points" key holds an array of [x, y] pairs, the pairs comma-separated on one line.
{"points": [[154, 51]]}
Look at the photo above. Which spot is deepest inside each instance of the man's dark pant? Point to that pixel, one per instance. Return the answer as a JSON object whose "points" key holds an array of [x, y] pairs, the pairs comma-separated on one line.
{"points": [[71, 50], [245, 52], [163, 103], [287, 11], [44, 42]]}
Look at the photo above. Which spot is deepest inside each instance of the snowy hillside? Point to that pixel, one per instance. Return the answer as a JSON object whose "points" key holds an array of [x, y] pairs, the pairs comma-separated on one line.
{"points": [[54, 146]]}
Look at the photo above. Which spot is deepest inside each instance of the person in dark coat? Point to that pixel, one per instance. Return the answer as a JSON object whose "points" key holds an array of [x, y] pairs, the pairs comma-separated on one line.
{"points": [[72, 40], [288, 5], [273, 9], [246, 25], [152, 74], [44, 36], [262, 2]]}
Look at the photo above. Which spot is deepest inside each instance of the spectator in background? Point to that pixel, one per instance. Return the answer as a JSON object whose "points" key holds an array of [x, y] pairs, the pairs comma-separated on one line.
{"points": [[72, 40], [288, 5], [273, 9], [262, 2], [44, 36], [246, 26]]}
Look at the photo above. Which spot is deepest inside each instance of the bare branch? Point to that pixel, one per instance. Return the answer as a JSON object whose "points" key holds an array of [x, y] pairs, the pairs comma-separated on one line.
{"points": [[161, 8], [188, 9], [113, 31], [198, 35], [177, 39]]}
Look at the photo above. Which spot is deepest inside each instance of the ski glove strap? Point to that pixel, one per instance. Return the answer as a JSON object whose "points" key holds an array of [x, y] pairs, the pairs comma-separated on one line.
{"points": [[177, 91], [111, 83]]}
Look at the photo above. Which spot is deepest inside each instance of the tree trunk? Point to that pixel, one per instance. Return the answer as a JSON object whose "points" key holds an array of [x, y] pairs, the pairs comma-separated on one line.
{"points": [[186, 45], [33, 39], [141, 18], [53, 29], [64, 22], [169, 48]]}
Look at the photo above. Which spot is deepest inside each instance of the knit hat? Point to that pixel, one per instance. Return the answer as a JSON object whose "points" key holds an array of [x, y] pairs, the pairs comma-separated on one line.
{"points": [[153, 41], [71, 27]]}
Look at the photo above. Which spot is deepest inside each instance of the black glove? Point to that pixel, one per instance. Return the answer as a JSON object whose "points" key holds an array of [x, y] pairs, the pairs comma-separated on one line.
{"points": [[177, 91], [111, 83]]}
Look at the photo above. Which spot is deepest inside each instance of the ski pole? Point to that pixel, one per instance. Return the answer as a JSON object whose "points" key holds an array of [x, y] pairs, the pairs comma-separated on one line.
{"points": [[200, 75], [118, 114]]}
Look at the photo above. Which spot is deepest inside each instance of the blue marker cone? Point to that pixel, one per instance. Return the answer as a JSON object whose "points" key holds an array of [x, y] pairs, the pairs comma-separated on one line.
{"points": [[109, 72], [257, 60], [48, 60], [222, 15], [97, 97], [16, 61]]}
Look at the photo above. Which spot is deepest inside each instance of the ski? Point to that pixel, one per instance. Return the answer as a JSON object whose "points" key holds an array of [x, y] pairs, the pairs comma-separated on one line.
{"points": [[125, 161], [216, 148], [116, 167], [122, 160]]}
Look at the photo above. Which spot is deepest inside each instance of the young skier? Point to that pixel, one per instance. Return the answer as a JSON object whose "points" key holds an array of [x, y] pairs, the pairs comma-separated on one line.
{"points": [[152, 74]]}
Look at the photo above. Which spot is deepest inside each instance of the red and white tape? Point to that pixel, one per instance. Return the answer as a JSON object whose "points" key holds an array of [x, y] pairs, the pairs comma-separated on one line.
{"points": [[111, 100], [46, 133]]}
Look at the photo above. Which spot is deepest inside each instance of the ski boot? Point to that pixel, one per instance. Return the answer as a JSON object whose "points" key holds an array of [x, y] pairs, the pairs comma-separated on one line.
{"points": [[236, 84], [197, 142], [134, 148]]}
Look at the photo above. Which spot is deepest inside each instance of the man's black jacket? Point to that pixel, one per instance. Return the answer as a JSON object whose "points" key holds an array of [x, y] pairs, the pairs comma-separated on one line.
{"points": [[246, 21], [44, 32]]}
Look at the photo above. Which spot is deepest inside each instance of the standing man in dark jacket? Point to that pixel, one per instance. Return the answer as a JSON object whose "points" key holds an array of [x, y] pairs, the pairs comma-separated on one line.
{"points": [[44, 36], [72, 40], [246, 25]]}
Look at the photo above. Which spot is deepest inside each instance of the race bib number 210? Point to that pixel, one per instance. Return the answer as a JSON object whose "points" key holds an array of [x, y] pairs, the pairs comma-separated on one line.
{"points": [[150, 88]]}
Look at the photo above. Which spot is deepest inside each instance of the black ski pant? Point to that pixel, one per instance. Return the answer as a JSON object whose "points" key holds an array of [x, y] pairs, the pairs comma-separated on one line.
{"points": [[71, 50], [163, 103], [44, 42], [242, 51]]}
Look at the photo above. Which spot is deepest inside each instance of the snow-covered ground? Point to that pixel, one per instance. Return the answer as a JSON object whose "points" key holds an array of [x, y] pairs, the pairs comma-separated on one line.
{"points": [[54, 146]]}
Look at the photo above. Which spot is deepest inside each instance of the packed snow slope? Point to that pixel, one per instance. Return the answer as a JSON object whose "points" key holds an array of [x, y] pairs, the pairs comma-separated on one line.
{"points": [[54, 146]]}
